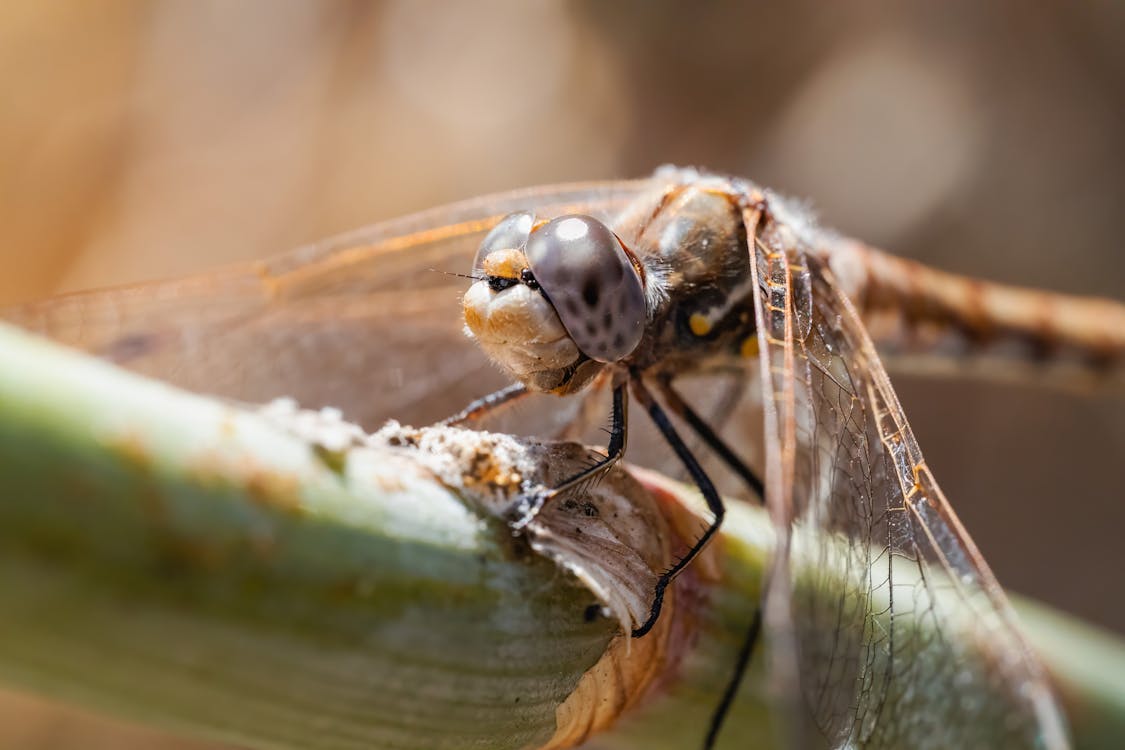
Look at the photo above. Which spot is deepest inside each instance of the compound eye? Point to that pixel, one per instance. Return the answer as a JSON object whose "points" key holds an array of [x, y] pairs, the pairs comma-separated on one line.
{"points": [[598, 295], [510, 234]]}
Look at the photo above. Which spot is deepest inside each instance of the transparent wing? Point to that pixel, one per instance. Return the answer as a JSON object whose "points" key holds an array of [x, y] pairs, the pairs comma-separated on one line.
{"points": [[367, 322], [900, 635]]}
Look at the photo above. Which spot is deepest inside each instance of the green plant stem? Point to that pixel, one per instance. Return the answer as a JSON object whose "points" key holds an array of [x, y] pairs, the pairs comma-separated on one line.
{"points": [[190, 564]]}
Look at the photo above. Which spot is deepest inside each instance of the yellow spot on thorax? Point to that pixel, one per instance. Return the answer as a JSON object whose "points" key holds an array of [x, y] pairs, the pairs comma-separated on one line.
{"points": [[700, 324], [749, 346]]}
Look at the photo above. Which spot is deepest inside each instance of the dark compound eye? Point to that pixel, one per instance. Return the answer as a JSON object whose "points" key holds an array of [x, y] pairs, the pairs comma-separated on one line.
{"points": [[585, 273], [510, 234]]}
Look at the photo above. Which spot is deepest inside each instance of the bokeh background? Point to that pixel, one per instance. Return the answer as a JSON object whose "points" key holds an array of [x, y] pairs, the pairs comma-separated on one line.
{"points": [[140, 140]]}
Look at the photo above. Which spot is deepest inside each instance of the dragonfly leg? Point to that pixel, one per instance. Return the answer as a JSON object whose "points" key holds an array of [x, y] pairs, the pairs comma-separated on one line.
{"points": [[742, 662], [721, 449], [487, 404], [702, 481], [528, 507], [679, 407]]}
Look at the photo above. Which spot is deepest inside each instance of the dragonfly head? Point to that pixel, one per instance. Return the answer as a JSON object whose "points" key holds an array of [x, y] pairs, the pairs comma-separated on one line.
{"points": [[556, 300]]}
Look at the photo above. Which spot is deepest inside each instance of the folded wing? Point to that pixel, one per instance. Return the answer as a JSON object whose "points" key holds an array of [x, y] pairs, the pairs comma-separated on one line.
{"points": [[899, 635]]}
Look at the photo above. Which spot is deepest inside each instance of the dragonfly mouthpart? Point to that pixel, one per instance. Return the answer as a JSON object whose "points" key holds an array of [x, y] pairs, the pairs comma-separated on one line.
{"points": [[516, 325]]}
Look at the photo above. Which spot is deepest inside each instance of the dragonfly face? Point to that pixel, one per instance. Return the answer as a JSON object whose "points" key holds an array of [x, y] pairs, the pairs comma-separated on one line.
{"points": [[557, 300]]}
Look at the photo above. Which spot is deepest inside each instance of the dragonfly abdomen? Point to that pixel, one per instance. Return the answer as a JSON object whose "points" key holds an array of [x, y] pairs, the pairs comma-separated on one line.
{"points": [[929, 321]]}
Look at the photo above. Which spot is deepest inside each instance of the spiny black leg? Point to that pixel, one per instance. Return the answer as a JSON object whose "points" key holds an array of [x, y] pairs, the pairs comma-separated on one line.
{"points": [[529, 507], [713, 441], [740, 666], [721, 449], [482, 406], [714, 502]]}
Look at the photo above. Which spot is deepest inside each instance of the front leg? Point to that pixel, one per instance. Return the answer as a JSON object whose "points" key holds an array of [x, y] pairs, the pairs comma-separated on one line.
{"points": [[486, 405], [702, 481], [528, 507]]}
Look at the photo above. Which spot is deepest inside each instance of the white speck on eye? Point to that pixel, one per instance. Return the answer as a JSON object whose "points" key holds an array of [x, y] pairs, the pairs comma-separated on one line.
{"points": [[572, 229]]}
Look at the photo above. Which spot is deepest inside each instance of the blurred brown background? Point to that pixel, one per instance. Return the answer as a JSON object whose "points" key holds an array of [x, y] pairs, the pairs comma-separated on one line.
{"points": [[149, 139]]}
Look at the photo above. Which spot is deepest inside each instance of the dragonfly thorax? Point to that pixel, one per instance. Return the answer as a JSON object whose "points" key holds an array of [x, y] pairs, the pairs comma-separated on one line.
{"points": [[555, 300]]}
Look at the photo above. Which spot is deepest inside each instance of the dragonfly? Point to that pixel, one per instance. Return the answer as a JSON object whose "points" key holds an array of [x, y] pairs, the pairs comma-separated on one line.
{"points": [[629, 286]]}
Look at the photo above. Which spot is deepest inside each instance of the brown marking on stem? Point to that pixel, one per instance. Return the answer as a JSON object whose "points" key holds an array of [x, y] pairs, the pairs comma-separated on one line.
{"points": [[272, 488], [130, 448]]}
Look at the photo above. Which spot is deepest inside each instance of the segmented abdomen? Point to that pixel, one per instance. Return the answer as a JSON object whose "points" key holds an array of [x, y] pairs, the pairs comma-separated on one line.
{"points": [[927, 320]]}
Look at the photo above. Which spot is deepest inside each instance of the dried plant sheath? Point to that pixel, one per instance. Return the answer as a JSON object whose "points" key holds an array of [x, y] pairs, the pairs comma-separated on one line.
{"points": [[281, 580]]}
